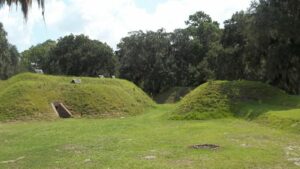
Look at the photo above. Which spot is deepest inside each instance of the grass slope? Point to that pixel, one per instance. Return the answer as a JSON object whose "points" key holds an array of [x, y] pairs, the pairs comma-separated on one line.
{"points": [[172, 95], [247, 99], [28, 96], [126, 144]]}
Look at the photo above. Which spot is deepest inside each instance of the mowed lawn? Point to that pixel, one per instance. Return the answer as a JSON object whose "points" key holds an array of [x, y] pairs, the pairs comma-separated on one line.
{"points": [[146, 141]]}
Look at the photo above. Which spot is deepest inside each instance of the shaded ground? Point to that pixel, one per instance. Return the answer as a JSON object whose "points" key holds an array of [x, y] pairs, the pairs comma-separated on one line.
{"points": [[172, 95], [146, 141]]}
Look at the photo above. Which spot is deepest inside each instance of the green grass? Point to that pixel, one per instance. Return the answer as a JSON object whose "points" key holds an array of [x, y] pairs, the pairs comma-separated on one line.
{"points": [[124, 143], [28, 97], [287, 119]]}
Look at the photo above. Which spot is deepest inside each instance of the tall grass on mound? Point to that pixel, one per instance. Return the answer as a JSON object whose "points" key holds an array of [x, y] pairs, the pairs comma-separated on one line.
{"points": [[219, 99], [28, 96]]}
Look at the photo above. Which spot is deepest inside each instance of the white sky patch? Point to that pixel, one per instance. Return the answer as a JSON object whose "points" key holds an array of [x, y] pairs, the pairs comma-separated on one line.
{"points": [[107, 21]]}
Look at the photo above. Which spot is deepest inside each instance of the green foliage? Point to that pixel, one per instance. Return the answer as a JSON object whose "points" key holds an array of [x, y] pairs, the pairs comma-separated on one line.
{"points": [[28, 96], [80, 56], [9, 56], [260, 44], [38, 55], [276, 24], [233, 65], [246, 99], [263, 44], [185, 55], [145, 60], [158, 60]]}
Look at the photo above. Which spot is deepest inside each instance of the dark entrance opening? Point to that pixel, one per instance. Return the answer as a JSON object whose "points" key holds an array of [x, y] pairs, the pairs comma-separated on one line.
{"points": [[206, 146], [61, 110]]}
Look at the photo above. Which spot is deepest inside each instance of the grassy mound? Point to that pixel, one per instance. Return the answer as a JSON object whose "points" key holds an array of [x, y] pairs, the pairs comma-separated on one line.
{"points": [[28, 96], [247, 99], [172, 95]]}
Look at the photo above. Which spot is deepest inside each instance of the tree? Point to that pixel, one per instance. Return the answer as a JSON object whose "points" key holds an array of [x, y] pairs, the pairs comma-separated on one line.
{"points": [[25, 5], [183, 51], [233, 64], [80, 56], [39, 55], [277, 24], [159, 60], [187, 53], [9, 56], [145, 58], [263, 44], [205, 36]]}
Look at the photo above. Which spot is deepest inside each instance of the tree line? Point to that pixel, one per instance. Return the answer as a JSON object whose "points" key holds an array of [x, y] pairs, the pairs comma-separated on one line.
{"points": [[9, 56], [261, 43]]}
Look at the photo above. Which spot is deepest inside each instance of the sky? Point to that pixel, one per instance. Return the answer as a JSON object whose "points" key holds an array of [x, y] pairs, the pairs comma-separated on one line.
{"points": [[107, 21]]}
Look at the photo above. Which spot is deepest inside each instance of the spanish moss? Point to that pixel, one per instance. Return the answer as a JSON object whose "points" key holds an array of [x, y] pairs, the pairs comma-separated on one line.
{"points": [[25, 5]]}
